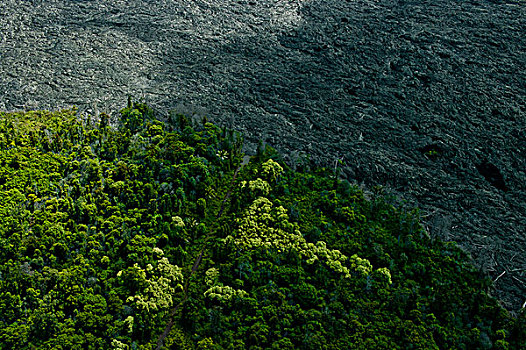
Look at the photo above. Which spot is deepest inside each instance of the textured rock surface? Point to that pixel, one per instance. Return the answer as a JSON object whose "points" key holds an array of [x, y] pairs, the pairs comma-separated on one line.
{"points": [[427, 98]]}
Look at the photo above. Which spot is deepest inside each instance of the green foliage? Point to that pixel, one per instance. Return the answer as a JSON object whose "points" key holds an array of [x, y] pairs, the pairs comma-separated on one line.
{"points": [[270, 170], [157, 284], [109, 234]]}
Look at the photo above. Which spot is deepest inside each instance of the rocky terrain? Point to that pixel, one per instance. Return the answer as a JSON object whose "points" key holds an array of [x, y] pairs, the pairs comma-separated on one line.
{"points": [[426, 98]]}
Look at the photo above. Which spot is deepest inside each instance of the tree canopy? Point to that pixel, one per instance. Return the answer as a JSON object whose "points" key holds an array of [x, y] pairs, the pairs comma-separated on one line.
{"points": [[150, 234]]}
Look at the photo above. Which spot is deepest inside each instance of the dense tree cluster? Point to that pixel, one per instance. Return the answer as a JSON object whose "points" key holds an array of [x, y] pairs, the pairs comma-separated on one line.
{"points": [[112, 235]]}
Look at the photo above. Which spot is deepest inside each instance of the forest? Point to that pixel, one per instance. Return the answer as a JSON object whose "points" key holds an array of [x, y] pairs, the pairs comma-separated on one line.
{"points": [[152, 233]]}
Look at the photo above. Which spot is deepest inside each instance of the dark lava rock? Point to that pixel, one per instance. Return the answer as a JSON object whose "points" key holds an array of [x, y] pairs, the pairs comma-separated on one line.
{"points": [[411, 95], [492, 174]]}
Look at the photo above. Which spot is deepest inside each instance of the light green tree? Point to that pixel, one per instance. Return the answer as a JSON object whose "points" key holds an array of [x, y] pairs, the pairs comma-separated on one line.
{"points": [[270, 170], [217, 291], [160, 283], [266, 226]]}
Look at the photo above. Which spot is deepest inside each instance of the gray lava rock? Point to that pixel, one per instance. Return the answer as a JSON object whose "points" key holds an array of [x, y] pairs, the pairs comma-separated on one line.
{"points": [[427, 98]]}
